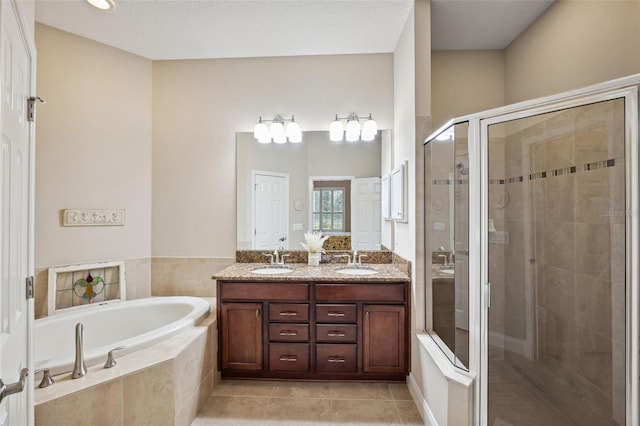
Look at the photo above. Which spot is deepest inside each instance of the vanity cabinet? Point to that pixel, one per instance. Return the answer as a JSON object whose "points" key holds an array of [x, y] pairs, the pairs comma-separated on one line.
{"points": [[313, 330], [241, 344]]}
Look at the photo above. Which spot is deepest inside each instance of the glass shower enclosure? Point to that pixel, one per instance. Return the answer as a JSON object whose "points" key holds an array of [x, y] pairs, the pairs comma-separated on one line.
{"points": [[544, 223]]}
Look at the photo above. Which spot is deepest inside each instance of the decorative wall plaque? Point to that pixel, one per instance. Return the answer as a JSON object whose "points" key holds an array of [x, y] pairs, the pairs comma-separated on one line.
{"points": [[93, 217]]}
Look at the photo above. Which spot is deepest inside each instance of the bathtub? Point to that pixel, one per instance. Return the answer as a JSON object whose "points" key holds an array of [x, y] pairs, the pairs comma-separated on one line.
{"points": [[137, 324]]}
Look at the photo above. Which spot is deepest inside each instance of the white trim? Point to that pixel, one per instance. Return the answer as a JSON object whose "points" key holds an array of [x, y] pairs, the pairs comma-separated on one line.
{"points": [[421, 403], [632, 249]]}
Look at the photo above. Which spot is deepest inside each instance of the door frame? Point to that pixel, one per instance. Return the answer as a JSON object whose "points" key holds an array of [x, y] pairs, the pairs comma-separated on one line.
{"points": [[255, 173], [313, 179]]}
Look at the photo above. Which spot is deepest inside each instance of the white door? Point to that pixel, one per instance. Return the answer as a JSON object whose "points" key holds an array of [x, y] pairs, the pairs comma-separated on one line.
{"points": [[366, 217], [270, 211], [16, 312]]}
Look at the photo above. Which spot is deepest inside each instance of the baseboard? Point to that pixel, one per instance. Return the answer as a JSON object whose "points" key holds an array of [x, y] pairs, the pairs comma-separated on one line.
{"points": [[421, 403]]}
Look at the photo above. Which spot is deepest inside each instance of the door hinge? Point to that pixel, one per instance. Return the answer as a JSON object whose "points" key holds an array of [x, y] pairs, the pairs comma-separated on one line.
{"points": [[30, 290], [31, 107]]}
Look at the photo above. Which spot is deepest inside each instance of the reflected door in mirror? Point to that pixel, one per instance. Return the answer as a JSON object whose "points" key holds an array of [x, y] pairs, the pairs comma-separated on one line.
{"points": [[270, 217]]}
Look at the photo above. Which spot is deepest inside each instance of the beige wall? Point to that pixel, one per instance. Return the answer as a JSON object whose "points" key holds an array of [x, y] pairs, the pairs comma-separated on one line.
{"points": [[465, 82], [572, 45], [93, 148], [199, 106]]}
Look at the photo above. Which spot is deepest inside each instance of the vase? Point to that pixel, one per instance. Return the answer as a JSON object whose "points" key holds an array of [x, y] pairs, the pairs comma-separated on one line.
{"points": [[314, 259]]}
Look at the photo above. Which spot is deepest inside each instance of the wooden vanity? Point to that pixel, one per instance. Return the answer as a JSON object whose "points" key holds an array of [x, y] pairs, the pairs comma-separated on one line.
{"points": [[313, 325]]}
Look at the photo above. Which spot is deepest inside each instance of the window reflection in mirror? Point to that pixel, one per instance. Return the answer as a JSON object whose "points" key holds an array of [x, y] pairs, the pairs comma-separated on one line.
{"points": [[447, 240]]}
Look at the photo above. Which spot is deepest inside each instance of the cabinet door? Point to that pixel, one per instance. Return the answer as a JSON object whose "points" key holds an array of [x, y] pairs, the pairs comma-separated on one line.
{"points": [[242, 336], [384, 339]]}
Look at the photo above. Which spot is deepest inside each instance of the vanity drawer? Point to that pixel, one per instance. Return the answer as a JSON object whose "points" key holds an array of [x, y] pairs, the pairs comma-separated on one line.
{"points": [[383, 292], [336, 333], [288, 332], [289, 356], [335, 313], [289, 312], [264, 291], [332, 358]]}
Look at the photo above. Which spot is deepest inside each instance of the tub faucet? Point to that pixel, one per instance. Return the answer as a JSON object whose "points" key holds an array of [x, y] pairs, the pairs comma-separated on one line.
{"points": [[79, 367]]}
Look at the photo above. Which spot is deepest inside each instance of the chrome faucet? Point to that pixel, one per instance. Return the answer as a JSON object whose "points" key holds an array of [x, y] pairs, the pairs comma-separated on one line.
{"points": [[356, 259], [275, 258], [79, 367]]}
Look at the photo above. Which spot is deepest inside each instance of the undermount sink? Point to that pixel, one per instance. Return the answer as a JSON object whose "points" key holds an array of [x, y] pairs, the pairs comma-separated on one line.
{"points": [[270, 270], [357, 271], [448, 271]]}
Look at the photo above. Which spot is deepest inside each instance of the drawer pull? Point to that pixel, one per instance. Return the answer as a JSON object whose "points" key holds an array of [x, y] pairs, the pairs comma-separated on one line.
{"points": [[288, 314], [288, 358], [335, 359], [288, 333], [335, 314], [336, 334]]}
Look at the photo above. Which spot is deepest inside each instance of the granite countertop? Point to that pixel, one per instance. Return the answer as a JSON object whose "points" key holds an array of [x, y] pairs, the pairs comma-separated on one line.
{"points": [[303, 272]]}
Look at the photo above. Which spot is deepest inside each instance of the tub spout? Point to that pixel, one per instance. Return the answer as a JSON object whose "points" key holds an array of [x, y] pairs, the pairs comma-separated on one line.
{"points": [[79, 367]]}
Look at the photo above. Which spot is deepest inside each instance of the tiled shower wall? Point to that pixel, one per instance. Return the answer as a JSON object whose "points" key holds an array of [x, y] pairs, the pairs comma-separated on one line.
{"points": [[564, 213], [156, 276]]}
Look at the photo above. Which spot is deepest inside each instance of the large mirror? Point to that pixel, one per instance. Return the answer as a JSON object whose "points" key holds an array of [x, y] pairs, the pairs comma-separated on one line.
{"points": [[283, 190]]}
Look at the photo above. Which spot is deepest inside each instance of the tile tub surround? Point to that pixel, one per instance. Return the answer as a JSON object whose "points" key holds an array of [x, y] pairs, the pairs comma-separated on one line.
{"points": [[137, 276], [179, 372], [186, 276], [245, 403], [302, 272]]}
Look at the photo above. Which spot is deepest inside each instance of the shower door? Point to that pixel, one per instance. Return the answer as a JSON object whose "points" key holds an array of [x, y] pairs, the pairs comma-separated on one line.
{"points": [[557, 215]]}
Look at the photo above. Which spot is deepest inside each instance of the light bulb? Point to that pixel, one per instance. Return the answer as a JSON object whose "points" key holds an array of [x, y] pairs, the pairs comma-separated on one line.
{"points": [[353, 130], [336, 131], [277, 132], [369, 129], [264, 138], [294, 133], [102, 4], [261, 131]]}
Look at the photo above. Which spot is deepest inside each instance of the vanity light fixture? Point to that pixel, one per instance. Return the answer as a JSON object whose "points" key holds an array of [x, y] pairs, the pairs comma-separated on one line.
{"points": [[366, 132], [277, 131], [102, 4]]}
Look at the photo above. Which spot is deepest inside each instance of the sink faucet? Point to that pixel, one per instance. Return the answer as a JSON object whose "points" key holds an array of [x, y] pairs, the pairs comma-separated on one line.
{"points": [[79, 367], [356, 259], [275, 258]]}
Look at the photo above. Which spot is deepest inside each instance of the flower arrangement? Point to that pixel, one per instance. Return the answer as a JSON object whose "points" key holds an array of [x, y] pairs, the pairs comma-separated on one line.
{"points": [[314, 241]]}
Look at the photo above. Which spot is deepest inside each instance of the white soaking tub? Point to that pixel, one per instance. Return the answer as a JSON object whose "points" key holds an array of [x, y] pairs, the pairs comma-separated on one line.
{"points": [[137, 324]]}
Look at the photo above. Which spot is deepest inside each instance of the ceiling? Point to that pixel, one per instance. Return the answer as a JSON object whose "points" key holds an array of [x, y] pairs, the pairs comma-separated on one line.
{"points": [[194, 29]]}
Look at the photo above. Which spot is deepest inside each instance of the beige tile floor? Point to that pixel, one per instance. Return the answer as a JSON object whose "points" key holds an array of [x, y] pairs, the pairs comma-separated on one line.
{"points": [[252, 403]]}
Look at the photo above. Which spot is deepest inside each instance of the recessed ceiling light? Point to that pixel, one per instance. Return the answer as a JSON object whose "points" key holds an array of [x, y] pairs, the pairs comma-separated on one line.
{"points": [[102, 4]]}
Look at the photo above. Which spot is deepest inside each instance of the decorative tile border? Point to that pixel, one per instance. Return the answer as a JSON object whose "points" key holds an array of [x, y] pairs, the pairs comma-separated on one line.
{"points": [[93, 217], [612, 162]]}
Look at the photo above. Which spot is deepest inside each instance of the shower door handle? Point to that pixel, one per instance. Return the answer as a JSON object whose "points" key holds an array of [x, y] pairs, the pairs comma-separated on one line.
{"points": [[488, 294], [17, 387]]}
